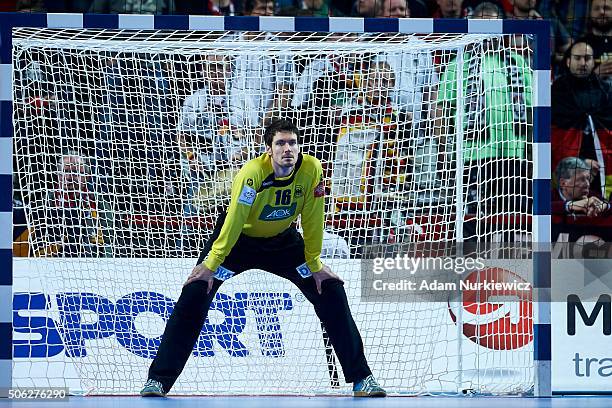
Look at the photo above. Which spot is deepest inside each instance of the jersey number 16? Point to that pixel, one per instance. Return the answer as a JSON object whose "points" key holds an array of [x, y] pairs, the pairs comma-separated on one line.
{"points": [[283, 197]]}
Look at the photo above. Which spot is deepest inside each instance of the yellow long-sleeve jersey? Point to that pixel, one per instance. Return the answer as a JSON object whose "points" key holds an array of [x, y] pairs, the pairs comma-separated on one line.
{"points": [[265, 206]]}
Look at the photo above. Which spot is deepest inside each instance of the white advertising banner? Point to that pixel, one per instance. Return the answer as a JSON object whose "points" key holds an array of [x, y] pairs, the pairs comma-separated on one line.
{"points": [[95, 326], [581, 326]]}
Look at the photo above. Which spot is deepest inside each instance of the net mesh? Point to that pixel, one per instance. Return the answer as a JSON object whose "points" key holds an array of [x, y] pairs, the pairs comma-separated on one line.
{"points": [[126, 143]]}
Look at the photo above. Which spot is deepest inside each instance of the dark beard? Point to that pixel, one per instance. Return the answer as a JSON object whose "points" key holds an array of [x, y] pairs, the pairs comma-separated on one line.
{"points": [[604, 27]]}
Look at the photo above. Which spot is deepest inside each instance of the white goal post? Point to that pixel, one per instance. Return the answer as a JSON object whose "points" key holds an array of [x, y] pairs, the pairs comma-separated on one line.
{"points": [[127, 131]]}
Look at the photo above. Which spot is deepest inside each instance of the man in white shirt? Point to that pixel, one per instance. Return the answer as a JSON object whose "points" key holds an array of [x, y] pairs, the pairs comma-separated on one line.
{"points": [[205, 132], [262, 81]]}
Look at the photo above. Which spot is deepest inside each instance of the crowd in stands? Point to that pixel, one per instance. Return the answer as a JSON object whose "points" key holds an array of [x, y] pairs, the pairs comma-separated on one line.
{"points": [[219, 116]]}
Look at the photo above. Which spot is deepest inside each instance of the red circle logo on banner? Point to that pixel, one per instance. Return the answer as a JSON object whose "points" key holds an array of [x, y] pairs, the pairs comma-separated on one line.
{"points": [[497, 317]]}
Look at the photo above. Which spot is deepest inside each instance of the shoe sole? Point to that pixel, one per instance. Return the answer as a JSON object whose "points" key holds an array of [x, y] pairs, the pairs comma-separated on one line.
{"points": [[152, 394], [373, 394]]}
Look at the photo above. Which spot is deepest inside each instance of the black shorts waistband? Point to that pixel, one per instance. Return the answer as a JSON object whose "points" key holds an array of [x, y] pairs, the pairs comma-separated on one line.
{"points": [[282, 237]]}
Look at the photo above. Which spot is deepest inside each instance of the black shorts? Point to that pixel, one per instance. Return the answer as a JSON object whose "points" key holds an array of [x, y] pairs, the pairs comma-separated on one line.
{"points": [[282, 254]]}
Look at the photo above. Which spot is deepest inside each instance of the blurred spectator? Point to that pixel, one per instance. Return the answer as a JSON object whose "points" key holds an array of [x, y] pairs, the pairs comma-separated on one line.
{"points": [[72, 221], [341, 66], [505, 6], [449, 9], [497, 120], [573, 195], [7, 5], [207, 7], [372, 154], [487, 10], [206, 137], [283, 4], [414, 95], [68, 6], [524, 10], [321, 90], [446, 9], [131, 7], [262, 84], [416, 78], [132, 126], [261, 88], [38, 107], [571, 13], [381, 8], [317, 8], [392, 9], [560, 36], [364, 8], [599, 36], [419, 8], [341, 8], [459, 9], [30, 6], [128, 103], [582, 117], [259, 8], [334, 246], [208, 145], [368, 119]]}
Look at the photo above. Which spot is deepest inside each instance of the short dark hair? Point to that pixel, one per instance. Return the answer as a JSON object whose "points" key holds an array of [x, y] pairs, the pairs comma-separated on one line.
{"points": [[279, 125], [568, 53], [567, 168], [487, 8]]}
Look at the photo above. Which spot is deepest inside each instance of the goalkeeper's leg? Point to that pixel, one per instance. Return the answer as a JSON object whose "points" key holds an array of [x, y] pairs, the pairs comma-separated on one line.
{"points": [[331, 307], [180, 335], [183, 328], [333, 310]]}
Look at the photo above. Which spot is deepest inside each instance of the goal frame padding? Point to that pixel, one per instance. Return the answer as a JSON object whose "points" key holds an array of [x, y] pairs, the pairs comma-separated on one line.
{"points": [[540, 30]]}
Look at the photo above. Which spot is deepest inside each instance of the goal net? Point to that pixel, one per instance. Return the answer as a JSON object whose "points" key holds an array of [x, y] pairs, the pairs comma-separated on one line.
{"points": [[126, 144]]}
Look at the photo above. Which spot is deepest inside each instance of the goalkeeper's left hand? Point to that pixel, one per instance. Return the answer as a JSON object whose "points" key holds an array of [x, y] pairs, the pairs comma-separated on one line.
{"points": [[324, 274]]}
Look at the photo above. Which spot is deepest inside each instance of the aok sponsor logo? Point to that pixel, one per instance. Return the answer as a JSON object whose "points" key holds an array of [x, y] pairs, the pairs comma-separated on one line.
{"points": [[270, 213]]}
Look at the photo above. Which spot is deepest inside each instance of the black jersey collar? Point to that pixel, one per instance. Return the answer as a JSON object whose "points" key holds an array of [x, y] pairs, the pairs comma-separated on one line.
{"points": [[270, 181]]}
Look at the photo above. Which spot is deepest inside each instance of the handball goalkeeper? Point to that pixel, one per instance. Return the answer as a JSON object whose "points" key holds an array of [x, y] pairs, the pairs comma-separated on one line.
{"points": [[258, 232]]}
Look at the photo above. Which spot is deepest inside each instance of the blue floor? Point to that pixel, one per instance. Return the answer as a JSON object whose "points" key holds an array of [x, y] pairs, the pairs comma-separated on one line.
{"points": [[319, 402]]}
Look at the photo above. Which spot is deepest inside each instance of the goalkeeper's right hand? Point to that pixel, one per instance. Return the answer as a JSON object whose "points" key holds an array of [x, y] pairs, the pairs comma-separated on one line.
{"points": [[201, 272]]}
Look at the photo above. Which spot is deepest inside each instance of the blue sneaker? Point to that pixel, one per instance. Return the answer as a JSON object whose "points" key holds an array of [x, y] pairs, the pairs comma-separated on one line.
{"points": [[152, 388], [368, 387]]}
